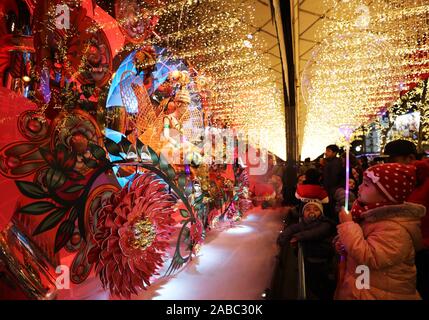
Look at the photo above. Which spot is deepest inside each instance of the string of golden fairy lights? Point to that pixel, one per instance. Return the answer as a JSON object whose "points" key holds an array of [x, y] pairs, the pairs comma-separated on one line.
{"points": [[217, 41], [369, 51]]}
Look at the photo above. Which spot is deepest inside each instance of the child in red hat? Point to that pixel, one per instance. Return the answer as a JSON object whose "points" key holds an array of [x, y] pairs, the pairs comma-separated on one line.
{"points": [[381, 235]]}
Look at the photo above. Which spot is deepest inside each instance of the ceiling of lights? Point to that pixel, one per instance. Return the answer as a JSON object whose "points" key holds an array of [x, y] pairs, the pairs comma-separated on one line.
{"points": [[307, 18], [263, 27]]}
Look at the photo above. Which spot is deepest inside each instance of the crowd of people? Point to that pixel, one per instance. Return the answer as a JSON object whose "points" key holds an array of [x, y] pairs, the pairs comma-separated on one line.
{"points": [[379, 248]]}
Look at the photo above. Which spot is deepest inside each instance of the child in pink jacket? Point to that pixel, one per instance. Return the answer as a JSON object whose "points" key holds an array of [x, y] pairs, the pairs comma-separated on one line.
{"points": [[380, 237]]}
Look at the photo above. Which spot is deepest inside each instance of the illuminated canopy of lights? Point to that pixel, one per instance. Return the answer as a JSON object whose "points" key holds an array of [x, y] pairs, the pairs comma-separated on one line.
{"points": [[369, 51], [215, 38]]}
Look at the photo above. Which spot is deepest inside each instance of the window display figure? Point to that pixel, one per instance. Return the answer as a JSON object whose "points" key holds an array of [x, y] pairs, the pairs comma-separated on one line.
{"points": [[172, 137], [199, 200]]}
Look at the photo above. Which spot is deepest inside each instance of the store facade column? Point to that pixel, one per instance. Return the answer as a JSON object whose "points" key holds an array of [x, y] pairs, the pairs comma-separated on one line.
{"points": [[283, 21]]}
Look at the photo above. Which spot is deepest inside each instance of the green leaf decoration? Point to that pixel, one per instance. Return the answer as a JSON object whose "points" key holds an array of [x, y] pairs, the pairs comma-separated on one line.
{"points": [[184, 213], [74, 188], [21, 149], [163, 163], [112, 147], [166, 167], [188, 190], [50, 221], [186, 235], [97, 151], [125, 144], [90, 163], [153, 156], [181, 180], [171, 172], [140, 146], [46, 155], [31, 190], [75, 175], [37, 208], [55, 178], [64, 234], [73, 214]]}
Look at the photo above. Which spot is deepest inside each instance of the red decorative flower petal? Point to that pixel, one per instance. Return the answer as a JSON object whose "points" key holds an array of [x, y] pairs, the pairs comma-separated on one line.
{"points": [[131, 235]]}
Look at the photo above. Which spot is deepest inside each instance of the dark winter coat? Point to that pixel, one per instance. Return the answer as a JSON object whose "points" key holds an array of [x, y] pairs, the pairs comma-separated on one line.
{"points": [[332, 175], [315, 237]]}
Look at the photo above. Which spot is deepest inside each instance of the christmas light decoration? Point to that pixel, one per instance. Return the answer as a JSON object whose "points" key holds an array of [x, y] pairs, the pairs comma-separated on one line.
{"points": [[213, 36], [369, 52]]}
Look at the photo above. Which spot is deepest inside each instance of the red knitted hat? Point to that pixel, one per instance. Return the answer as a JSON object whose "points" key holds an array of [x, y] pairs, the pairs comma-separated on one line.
{"points": [[394, 180]]}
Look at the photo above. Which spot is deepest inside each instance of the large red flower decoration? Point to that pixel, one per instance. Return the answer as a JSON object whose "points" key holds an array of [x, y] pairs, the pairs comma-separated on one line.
{"points": [[196, 232], [132, 235]]}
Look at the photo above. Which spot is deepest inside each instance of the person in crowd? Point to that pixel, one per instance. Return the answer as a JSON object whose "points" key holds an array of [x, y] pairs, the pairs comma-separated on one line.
{"points": [[377, 160], [405, 152], [290, 181], [400, 151], [301, 179], [321, 163], [306, 165], [363, 162], [311, 188], [332, 174], [357, 175], [314, 232], [381, 233], [340, 196]]}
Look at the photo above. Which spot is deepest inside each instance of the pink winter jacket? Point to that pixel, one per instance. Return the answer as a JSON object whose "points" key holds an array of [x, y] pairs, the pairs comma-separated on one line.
{"points": [[385, 242]]}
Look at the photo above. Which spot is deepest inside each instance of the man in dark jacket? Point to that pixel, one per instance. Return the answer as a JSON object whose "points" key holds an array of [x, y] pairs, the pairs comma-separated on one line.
{"points": [[314, 232], [332, 175]]}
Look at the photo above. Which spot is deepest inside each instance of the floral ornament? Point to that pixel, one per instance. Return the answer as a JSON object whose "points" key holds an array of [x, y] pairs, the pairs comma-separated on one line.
{"points": [[21, 159], [78, 132], [132, 234], [145, 60], [245, 205], [96, 201], [96, 60], [197, 233], [61, 164], [213, 218], [231, 212], [136, 20], [203, 174], [33, 126], [243, 178]]}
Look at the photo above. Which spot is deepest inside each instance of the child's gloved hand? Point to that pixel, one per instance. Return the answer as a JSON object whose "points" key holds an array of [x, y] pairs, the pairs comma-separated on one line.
{"points": [[339, 247], [345, 216]]}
